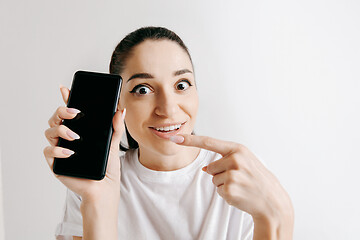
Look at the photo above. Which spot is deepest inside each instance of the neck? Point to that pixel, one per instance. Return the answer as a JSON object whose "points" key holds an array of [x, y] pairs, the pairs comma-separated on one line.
{"points": [[160, 162]]}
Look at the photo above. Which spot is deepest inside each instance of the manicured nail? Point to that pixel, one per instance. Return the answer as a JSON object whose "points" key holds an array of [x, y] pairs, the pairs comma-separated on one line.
{"points": [[72, 134], [72, 110], [68, 152], [177, 139], [123, 114], [204, 169]]}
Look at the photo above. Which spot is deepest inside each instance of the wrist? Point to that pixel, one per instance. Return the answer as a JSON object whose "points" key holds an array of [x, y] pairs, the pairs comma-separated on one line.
{"points": [[277, 223], [265, 228], [274, 229], [100, 206], [100, 218]]}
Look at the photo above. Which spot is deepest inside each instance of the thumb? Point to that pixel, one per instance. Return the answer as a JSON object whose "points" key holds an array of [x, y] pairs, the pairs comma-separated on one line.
{"points": [[119, 128], [113, 166]]}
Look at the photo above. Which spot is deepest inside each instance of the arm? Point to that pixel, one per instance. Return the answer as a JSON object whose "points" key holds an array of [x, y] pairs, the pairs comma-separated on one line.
{"points": [[100, 218], [100, 199], [268, 229], [245, 183], [278, 224]]}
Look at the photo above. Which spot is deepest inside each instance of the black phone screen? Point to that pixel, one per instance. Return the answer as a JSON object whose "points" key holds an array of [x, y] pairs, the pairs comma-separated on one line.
{"points": [[96, 95]]}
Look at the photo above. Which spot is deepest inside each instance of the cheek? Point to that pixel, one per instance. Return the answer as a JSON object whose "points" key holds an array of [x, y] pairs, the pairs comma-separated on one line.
{"points": [[194, 103], [136, 113], [193, 109], [191, 106]]}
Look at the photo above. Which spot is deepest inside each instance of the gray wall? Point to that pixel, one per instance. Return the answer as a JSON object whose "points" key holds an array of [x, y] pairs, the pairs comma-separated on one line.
{"points": [[281, 77], [2, 230]]}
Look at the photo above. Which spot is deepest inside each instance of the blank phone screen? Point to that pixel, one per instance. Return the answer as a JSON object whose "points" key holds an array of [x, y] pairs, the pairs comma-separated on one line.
{"points": [[96, 96]]}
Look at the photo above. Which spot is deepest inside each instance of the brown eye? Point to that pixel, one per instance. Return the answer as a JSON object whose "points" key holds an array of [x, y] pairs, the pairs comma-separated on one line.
{"points": [[141, 90], [183, 85]]}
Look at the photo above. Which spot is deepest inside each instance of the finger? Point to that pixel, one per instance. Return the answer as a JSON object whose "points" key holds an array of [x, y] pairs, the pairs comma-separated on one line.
{"points": [[230, 162], [51, 152], [222, 190], [118, 125], [219, 179], [119, 128], [62, 113], [113, 166], [65, 92], [212, 144], [217, 166], [53, 134], [226, 177]]}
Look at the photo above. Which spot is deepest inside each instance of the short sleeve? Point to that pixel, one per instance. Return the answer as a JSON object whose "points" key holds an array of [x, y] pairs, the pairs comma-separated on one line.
{"points": [[71, 224], [247, 228], [241, 225]]}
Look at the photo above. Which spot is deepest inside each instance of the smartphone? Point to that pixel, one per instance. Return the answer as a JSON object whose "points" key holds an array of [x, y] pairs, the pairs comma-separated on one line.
{"points": [[96, 95]]}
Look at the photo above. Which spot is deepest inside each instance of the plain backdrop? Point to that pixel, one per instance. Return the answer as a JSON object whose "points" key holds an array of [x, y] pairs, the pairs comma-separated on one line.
{"points": [[2, 231], [281, 77]]}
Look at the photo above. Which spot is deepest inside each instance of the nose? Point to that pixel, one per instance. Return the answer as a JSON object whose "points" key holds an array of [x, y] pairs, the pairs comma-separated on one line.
{"points": [[166, 104]]}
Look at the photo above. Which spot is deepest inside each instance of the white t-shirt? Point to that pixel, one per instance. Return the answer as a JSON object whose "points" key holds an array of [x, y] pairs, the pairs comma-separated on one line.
{"points": [[180, 204]]}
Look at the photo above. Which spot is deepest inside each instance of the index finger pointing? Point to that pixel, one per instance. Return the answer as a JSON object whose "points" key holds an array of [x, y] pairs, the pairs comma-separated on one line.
{"points": [[212, 144]]}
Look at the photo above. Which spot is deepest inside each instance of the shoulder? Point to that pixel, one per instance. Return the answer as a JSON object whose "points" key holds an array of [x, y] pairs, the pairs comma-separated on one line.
{"points": [[128, 158], [126, 155], [73, 197]]}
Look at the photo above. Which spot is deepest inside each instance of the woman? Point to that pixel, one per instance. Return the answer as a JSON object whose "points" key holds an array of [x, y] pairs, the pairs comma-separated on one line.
{"points": [[170, 184]]}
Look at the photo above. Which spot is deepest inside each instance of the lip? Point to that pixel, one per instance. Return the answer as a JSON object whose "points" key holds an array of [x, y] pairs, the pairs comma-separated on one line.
{"points": [[167, 135], [168, 124]]}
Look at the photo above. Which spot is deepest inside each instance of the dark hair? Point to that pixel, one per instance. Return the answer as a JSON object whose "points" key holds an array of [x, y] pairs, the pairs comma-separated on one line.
{"points": [[124, 50]]}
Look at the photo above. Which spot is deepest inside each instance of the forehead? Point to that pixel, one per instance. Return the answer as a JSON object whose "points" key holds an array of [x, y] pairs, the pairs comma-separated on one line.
{"points": [[157, 57]]}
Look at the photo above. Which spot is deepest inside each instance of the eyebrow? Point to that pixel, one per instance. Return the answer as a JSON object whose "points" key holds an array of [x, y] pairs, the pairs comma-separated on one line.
{"points": [[147, 75]]}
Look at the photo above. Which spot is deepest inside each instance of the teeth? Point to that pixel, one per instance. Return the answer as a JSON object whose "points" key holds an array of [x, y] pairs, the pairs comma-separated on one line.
{"points": [[169, 128]]}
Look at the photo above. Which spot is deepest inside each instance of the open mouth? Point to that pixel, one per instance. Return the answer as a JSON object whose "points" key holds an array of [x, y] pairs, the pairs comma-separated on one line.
{"points": [[168, 131], [169, 128]]}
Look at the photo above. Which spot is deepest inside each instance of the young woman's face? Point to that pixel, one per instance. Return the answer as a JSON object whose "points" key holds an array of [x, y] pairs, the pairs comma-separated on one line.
{"points": [[159, 95]]}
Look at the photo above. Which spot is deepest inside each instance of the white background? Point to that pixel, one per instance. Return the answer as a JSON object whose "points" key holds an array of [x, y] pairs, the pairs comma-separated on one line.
{"points": [[281, 77], [2, 231]]}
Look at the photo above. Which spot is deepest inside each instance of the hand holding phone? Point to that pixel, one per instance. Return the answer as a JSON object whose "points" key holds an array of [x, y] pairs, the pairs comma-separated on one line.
{"points": [[96, 95], [110, 184]]}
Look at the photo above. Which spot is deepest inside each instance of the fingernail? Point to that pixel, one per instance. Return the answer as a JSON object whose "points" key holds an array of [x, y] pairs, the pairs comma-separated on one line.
{"points": [[61, 86], [123, 114], [72, 110], [177, 139], [204, 169], [68, 152], [72, 134]]}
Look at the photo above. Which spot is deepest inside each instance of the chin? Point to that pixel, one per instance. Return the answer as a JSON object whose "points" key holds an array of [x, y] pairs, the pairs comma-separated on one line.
{"points": [[161, 144], [166, 147]]}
